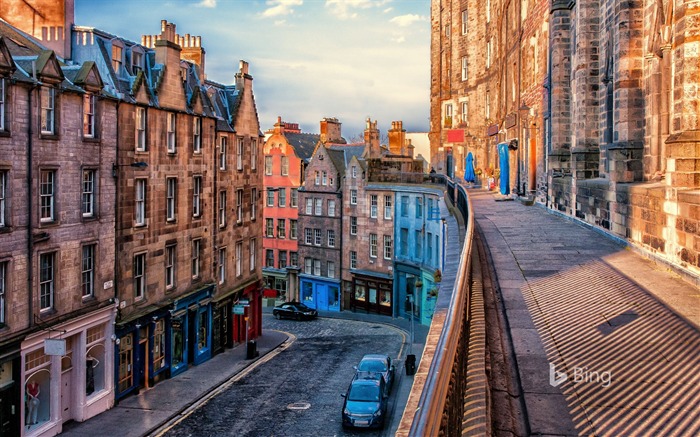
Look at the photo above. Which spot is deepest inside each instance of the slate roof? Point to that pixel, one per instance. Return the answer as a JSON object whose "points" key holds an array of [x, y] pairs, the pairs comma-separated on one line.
{"points": [[303, 144], [350, 150], [18, 42], [338, 158]]}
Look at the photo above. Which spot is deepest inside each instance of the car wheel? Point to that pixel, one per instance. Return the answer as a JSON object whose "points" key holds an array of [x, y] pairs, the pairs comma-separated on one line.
{"points": [[277, 315]]}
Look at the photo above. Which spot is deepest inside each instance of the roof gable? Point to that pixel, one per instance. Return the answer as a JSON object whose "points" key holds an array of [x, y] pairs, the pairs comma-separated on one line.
{"points": [[47, 67], [89, 78], [7, 66]]}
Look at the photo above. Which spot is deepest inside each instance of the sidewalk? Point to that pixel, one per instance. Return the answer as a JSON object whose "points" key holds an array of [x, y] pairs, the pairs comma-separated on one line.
{"points": [[144, 413], [620, 331]]}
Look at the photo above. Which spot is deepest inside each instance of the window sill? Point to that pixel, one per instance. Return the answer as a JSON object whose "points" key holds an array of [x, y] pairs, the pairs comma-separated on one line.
{"points": [[48, 136], [91, 140], [5, 133], [90, 218], [5, 229]]}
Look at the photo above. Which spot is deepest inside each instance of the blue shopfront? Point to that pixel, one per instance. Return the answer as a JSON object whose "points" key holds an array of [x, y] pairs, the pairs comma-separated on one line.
{"points": [[161, 343], [320, 293]]}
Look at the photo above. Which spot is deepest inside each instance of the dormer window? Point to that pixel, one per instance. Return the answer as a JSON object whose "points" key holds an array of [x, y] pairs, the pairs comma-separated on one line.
{"points": [[320, 157], [136, 62], [117, 58]]}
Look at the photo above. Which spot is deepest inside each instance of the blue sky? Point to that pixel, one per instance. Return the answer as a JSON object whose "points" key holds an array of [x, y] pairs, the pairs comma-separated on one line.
{"points": [[310, 59]]}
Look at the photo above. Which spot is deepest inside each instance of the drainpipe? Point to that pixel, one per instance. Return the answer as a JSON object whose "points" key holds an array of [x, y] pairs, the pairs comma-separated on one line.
{"points": [[30, 197], [117, 227]]}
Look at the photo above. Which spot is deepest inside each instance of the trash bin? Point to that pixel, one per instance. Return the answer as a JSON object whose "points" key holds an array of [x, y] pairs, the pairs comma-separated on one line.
{"points": [[252, 350], [410, 365]]}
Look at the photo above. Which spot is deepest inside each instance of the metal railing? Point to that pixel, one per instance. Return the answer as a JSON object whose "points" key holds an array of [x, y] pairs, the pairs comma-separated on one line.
{"points": [[435, 405]]}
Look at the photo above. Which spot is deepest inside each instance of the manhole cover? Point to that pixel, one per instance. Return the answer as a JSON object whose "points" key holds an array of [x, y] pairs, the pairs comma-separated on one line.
{"points": [[299, 406]]}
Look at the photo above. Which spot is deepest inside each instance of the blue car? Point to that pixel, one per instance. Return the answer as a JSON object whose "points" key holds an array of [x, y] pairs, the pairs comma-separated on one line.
{"points": [[365, 403], [378, 364]]}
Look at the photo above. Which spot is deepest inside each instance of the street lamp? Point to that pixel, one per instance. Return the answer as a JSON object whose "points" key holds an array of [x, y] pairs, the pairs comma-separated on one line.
{"points": [[115, 167]]}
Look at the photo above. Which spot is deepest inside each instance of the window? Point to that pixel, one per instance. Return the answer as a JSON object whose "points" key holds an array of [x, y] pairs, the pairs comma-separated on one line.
{"points": [[117, 59], [404, 241], [197, 135], [353, 197], [331, 208], [3, 287], [239, 154], [285, 166], [48, 110], [293, 258], [269, 227], [89, 115], [373, 245], [196, 257], [387, 207], [283, 259], [222, 153], [373, 206], [319, 207], [239, 254], [317, 267], [170, 198], [317, 237], [309, 205], [139, 276], [47, 195], [222, 265], [419, 244], [293, 229], [253, 203], [488, 11], [239, 206], [324, 178], [159, 345], [388, 246], [140, 202], [136, 61], [88, 270], [488, 53], [46, 280], [253, 154], [140, 129], [487, 106], [269, 258], [330, 269], [3, 198], [270, 197], [294, 197], [170, 117], [126, 360], [251, 254], [281, 231], [465, 70], [353, 225], [404, 206], [88, 195], [465, 113], [331, 238], [353, 259], [465, 17], [169, 267], [307, 265], [268, 166], [317, 179], [419, 207], [354, 172], [222, 209], [307, 236], [282, 197], [2, 110], [197, 196]]}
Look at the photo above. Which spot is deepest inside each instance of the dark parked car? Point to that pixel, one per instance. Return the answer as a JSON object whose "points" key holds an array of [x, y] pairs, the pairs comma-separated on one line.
{"points": [[294, 310], [365, 402], [378, 364]]}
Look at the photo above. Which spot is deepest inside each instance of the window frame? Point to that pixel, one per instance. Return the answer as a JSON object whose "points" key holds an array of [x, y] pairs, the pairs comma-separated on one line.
{"points": [[388, 207], [170, 199], [170, 262], [238, 258], [140, 193], [388, 247], [331, 208], [196, 258], [222, 209], [293, 229], [3, 286], [170, 129], [221, 265], [284, 165], [88, 193], [294, 198], [353, 225], [4, 183], [223, 144], [139, 276], [89, 115], [88, 270], [282, 197], [47, 281], [47, 202], [197, 135], [330, 240], [353, 197], [3, 104], [239, 153], [373, 205], [270, 200], [282, 228], [353, 259], [253, 204], [140, 120], [48, 110], [318, 238], [239, 206], [372, 245], [253, 154], [197, 196], [268, 165], [269, 227], [251, 254]]}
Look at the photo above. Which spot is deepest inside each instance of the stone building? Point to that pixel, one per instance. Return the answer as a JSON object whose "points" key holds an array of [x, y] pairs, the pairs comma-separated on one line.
{"points": [[591, 101], [287, 152], [57, 233]]}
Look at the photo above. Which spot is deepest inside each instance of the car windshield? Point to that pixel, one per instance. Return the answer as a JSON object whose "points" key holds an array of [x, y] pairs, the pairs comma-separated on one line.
{"points": [[372, 366], [302, 307], [364, 393]]}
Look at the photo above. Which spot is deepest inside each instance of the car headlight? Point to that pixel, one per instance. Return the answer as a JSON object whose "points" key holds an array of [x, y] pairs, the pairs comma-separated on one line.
{"points": [[346, 412], [378, 413]]}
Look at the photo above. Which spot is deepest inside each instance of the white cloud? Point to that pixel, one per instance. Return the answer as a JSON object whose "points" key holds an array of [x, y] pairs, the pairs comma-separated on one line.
{"points": [[280, 22], [387, 10], [206, 4], [407, 20], [345, 9], [281, 7], [398, 39]]}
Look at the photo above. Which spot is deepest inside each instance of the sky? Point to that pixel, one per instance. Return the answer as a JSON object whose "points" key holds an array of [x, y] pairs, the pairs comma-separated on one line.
{"points": [[349, 59]]}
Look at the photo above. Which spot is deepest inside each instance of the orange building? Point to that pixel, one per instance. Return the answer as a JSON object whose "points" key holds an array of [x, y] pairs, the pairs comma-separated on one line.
{"points": [[287, 152]]}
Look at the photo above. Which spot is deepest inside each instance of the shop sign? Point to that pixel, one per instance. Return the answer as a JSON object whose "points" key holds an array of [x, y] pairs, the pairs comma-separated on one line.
{"points": [[55, 346], [239, 310]]}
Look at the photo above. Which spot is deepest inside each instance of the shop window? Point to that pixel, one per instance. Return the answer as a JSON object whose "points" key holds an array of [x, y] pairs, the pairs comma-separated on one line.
{"points": [[360, 293], [385, 298], [178, 342], [159, 345], [333, 297], [202, 331], [307, 294], [94, 360]]}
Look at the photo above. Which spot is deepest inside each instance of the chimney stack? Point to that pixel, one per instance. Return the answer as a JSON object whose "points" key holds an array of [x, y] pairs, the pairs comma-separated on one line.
{"points": [[330, 130], [397, 138], [372, 138]]}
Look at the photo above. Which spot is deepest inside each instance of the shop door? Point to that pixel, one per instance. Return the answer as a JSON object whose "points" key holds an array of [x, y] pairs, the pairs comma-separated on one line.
{"points": [[322, 297], [191, 335], [372, 298], [9, 413], [66, 396], [142, 364]]}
